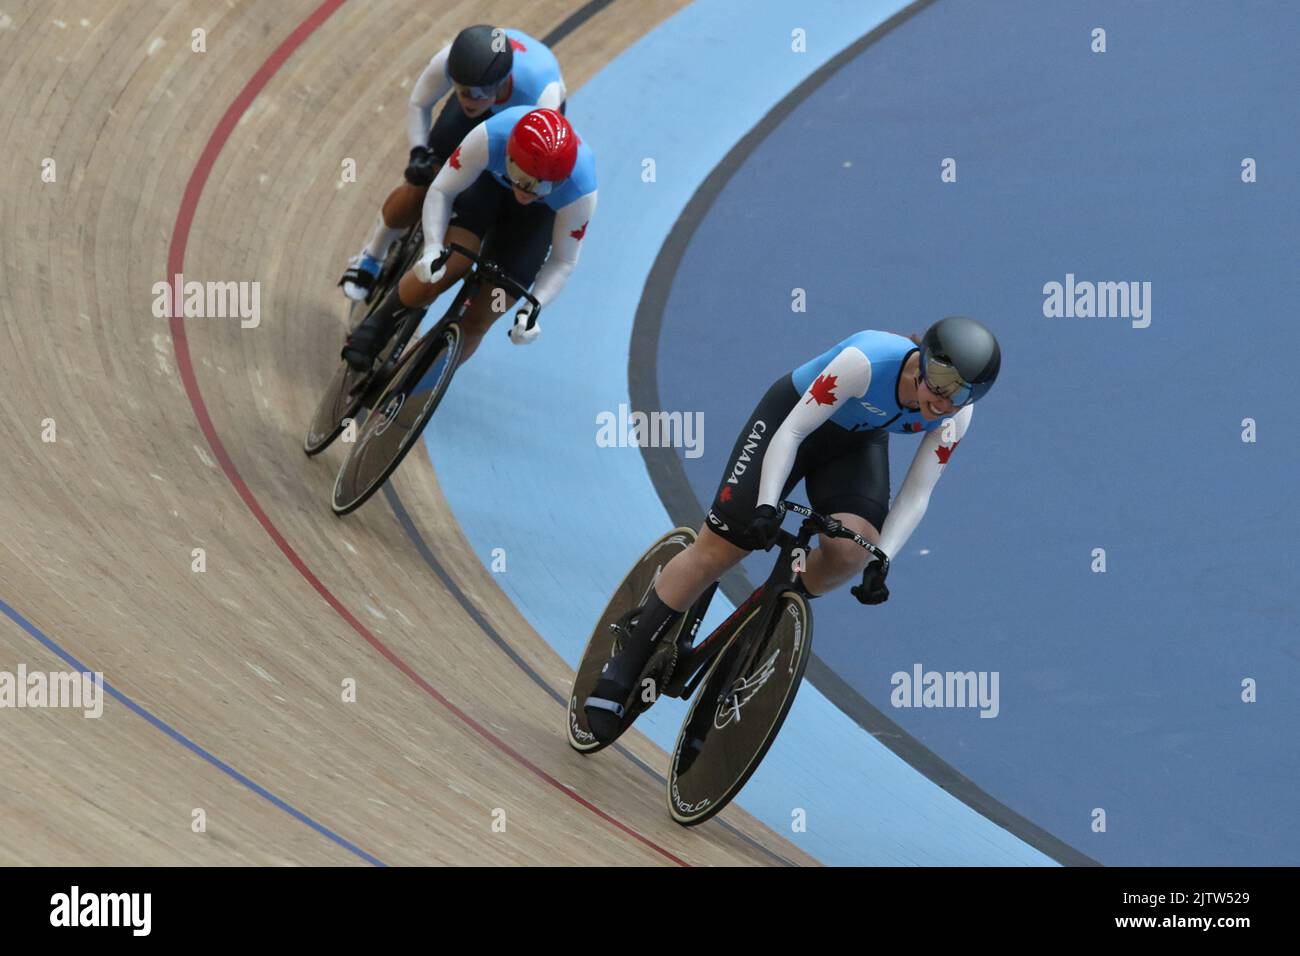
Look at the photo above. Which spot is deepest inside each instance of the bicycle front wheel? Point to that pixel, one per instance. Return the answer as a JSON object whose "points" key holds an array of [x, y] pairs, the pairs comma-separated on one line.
{"points": [[738, 711], [398, 417]]}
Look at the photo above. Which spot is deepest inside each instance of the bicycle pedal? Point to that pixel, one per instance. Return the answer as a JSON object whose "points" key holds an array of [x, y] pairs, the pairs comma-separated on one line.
{"points": [[662, 663], [622, 628], [670, 659]]}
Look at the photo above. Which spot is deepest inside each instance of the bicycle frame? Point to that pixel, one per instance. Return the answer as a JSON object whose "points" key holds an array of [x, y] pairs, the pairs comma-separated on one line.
{"points": [[408, 370], [483, 271], [487, 271], [693, 664]]}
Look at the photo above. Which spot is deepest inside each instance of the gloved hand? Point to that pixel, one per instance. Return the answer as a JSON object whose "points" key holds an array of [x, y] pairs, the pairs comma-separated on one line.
{"points": [[764, 526], [525, 328], [872, 590], [432, 265], [419, 171]]}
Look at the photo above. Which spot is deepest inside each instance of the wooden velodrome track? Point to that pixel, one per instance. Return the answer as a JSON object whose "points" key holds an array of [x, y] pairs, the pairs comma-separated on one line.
{"points": [[170, 442]]}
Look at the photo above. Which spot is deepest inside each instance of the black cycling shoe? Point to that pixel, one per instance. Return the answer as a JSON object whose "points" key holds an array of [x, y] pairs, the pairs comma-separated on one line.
{"points": [[368, 338], [362, 346], [606, 708]]}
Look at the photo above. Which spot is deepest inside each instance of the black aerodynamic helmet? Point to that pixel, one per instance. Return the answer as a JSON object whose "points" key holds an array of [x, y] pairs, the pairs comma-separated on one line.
{"points": [[481, 57], [960, 359]]}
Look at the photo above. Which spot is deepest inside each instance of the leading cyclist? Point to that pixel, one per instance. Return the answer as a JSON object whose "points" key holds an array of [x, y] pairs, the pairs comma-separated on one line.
{"points": [[828, 423]]}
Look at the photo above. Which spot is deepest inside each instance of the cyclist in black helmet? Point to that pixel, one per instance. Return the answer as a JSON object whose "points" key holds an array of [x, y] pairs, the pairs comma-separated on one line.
{"points": [[489, 69]]}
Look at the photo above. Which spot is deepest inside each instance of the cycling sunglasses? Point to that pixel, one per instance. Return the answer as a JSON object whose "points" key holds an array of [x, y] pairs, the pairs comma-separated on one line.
{"points": [[525, 183], [946, 382], [481, 92]]}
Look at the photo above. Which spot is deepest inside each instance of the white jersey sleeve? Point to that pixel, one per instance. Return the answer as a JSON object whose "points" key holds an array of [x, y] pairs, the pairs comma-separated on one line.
{"points": [[458, 173], [913, 497], [846, 376], [429, 88], [566, 243]]}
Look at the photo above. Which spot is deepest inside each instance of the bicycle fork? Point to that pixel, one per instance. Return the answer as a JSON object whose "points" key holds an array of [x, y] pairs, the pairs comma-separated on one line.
{"points": [[782, 578]]}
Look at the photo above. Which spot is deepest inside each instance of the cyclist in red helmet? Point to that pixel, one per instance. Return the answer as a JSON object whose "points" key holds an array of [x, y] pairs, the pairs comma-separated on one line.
{"points": [[520, 184], [487, 69], [542, 147]]}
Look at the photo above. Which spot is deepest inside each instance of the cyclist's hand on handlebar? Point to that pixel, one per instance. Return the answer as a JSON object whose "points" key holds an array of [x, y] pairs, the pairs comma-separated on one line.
{"points": [[764, 526], [872, 590], [525, 328], [432, 265], [419, 170]]}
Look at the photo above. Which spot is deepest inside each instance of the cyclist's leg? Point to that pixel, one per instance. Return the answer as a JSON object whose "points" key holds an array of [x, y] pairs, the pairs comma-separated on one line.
{"points": [[473, 210], [402, 208], [854, 488], [724, 539], [690, 572], [488, 304], [518, 242], [416, 293], [401, 211]]}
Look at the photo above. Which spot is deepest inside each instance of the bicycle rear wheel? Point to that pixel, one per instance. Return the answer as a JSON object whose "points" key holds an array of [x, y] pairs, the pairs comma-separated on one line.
{"points": [[717, 751], [341, 401], [601, 646], [398, 417], [347, 389]]}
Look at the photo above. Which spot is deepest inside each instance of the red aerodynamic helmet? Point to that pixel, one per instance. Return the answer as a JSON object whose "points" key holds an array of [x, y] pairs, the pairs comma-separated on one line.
{"points": [[544, 146]]}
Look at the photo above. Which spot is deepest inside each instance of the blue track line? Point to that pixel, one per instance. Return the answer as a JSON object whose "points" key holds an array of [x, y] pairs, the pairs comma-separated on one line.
{"points": [[184, 741]]}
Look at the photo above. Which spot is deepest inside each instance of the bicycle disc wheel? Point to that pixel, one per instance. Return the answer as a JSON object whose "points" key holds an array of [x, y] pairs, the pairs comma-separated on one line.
{"points": [[398, 417], [733, 721], [346, 391], [341, 401], [631, 593]]}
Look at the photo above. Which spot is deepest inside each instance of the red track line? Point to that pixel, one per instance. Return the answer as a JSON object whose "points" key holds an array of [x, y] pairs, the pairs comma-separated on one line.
{"points": [[175, 265]]}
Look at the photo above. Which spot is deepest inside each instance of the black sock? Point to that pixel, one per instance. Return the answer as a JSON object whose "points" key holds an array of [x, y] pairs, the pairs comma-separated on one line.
{"points": [[803, 588], [655, 620]]}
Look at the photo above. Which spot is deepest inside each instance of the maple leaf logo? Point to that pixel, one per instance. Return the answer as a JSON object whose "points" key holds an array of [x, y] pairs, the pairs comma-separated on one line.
{"points": [[725, 493], [579, 233], [454, 161], [945, 451], [517, 46], [823, 390]]}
